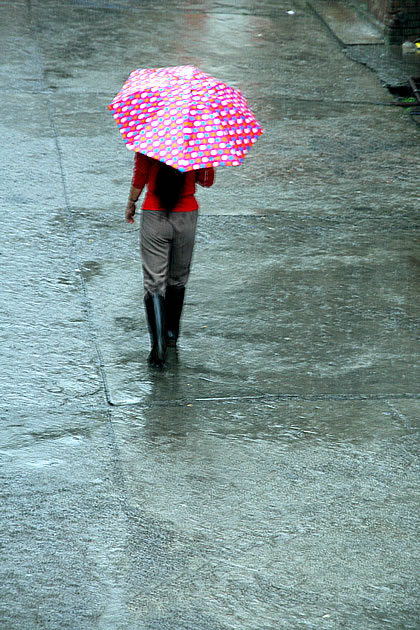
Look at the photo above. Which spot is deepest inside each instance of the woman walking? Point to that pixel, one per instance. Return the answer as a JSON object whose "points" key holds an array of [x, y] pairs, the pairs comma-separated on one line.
{"points": [[167, 235]]}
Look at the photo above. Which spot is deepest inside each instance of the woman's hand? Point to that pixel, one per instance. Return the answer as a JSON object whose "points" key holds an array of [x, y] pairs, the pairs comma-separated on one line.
{"points": [[130, 211]]}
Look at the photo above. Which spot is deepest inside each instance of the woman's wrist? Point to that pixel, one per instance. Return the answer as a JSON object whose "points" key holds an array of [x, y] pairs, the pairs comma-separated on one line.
{"points": [[132, 200]]}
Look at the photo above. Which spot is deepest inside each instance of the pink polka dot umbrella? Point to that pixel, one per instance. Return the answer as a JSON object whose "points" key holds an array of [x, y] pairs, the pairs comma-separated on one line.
{"points": [[185, 118]]}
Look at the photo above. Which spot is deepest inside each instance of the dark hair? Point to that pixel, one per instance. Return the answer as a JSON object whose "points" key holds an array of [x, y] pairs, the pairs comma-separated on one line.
{"points": [[169, 186]]}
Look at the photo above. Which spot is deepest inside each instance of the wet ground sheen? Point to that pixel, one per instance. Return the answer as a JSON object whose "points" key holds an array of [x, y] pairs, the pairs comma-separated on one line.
{"points": [[268, 478]]}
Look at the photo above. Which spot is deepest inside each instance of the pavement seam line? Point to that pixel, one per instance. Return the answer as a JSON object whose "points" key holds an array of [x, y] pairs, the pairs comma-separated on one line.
{"points": [[182, 402], [85, 302], [286, 99], [325, 25], [120, 480], [399, 416], [93, 6]]}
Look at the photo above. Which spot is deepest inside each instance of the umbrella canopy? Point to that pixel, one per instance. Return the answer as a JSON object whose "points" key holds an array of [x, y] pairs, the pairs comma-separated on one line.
{"points": [[184, 117]]}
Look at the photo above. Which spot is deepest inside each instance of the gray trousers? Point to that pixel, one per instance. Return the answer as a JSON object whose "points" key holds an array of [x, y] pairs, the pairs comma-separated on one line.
{"points": [[166, 245]]}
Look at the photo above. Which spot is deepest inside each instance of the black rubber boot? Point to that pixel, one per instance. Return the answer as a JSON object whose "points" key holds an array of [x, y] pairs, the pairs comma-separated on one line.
{"points": [[155, 311], [174, 301]]}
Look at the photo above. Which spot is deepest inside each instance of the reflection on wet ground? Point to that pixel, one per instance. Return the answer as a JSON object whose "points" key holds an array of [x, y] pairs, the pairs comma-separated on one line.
{"points": [[267, 478], [335, 309]]}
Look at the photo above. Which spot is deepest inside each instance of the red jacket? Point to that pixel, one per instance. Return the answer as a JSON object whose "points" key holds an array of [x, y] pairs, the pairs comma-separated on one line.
{"points": [[145, 172]]}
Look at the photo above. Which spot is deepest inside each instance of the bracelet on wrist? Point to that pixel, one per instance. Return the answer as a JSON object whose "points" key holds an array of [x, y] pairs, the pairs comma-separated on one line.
{"points": [[132, 200]]}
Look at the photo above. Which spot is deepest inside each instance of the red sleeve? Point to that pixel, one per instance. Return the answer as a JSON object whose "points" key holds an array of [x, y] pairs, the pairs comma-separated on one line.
{"points": [[205, 177], [140, 170]]}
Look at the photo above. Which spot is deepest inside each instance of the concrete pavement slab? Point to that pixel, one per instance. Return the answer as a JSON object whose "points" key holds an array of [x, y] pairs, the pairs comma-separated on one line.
{"points": [[268, 478], [332, 309], [64, 521], [284, 514], [98, 53], [309, 159], [18, 50], [349, 26], [392, 67], [320, 518], [42, 303], [298, 150]]}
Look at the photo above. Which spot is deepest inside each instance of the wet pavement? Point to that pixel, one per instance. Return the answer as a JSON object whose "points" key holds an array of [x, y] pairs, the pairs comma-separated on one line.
{"points": [[268, 478]]}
